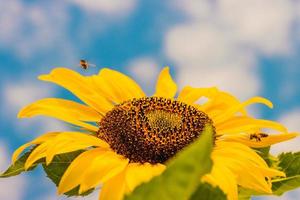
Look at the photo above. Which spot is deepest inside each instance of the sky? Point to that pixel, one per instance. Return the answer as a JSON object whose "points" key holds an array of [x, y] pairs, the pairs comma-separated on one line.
{"points": [[248, 48]]}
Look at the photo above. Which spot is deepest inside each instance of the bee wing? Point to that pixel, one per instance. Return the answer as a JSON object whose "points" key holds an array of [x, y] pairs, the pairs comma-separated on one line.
{"points": [[92, 65]]}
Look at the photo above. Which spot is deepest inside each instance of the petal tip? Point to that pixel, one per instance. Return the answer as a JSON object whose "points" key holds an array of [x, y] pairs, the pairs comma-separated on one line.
{"points": [[48, 160], [43, 77], [166, 68], [21, 114], [61, 190], [82, 189], [24, 112], [27, 165], [268, 103]]}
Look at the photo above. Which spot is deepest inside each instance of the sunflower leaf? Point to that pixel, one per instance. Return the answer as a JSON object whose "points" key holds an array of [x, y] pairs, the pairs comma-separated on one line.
{"points": [[207, 192], [290, 164], [54, 170], [19, 166], [183, 173], [57, 168]]}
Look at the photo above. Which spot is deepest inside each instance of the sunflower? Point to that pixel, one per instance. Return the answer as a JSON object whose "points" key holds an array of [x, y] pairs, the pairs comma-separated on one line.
{"points": [[128, 136]]}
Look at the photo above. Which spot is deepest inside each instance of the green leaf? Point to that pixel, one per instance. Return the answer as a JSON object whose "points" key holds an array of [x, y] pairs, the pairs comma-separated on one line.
{"points": [[54, 170], [57, 168], [18, 167], [183, 173], [290, 164], [207, 192]]}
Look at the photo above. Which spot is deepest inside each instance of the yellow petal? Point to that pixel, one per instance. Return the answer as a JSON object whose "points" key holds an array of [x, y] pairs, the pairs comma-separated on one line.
{"points": [[65, 110], [238, 150], [116, 86], [38, 140], [52, 144], [189, 95], [57, 148], [251, 169], [248, 176], [38, 153], [246, 155], [133, 175], [246, 124], [137, 173], [103, 168], [73, 109], [221, 101], [79, 86], [114, 189], [72, 141], [165, 86], [231, 111], [263, 142], [74, 173], [223, 177]]}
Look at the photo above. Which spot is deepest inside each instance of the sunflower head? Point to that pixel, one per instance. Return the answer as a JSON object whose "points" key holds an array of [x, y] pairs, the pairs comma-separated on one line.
{"points": [[151, 129], [136, 134]]}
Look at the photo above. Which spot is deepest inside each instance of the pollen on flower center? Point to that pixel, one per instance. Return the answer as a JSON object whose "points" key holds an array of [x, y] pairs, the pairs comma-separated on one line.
{"points": [[151, 129], [163, 120]]}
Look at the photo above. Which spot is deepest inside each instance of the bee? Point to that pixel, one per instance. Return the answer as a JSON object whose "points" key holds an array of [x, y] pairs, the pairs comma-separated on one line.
{"points": [[84, 64], [258, 136]]}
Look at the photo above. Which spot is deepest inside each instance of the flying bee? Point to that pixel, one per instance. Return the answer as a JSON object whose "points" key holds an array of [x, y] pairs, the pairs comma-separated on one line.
{"points": [[84, 64], [258, 136]]}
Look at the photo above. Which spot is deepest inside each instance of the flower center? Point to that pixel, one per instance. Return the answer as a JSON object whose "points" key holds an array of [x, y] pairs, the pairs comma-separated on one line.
{"points": [[151, 129]]}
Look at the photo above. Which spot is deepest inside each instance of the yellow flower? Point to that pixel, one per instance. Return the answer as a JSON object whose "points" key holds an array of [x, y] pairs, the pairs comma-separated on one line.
{"points": [[134, 135]]}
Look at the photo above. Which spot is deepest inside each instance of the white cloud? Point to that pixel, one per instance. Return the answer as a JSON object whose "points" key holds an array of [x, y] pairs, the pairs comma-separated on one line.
{"points": [[19, 94], [292, 195], [30, 128], [145, 71], [11, 11], [107, 7], [289, 87], [30, 28], [206, 57], [4, 156], [12, 188], [198, 44], [291, 121], [240, 81], [265, 25], [194, 9], [220, 41]]}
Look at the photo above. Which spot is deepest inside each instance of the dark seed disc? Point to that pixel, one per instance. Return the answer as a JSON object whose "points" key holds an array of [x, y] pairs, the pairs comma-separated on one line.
{"points": [[151, 129]]}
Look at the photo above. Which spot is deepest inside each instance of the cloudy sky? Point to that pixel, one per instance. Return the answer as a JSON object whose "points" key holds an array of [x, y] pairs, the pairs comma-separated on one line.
{"points": [[249, 47]]}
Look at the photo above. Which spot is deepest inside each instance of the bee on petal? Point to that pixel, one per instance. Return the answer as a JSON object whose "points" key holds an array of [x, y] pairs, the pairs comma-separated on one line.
{"points": [[258, 136]]}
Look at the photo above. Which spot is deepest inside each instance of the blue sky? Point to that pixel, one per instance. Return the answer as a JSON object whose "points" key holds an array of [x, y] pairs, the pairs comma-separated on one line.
{"points": [[248, 47]]}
